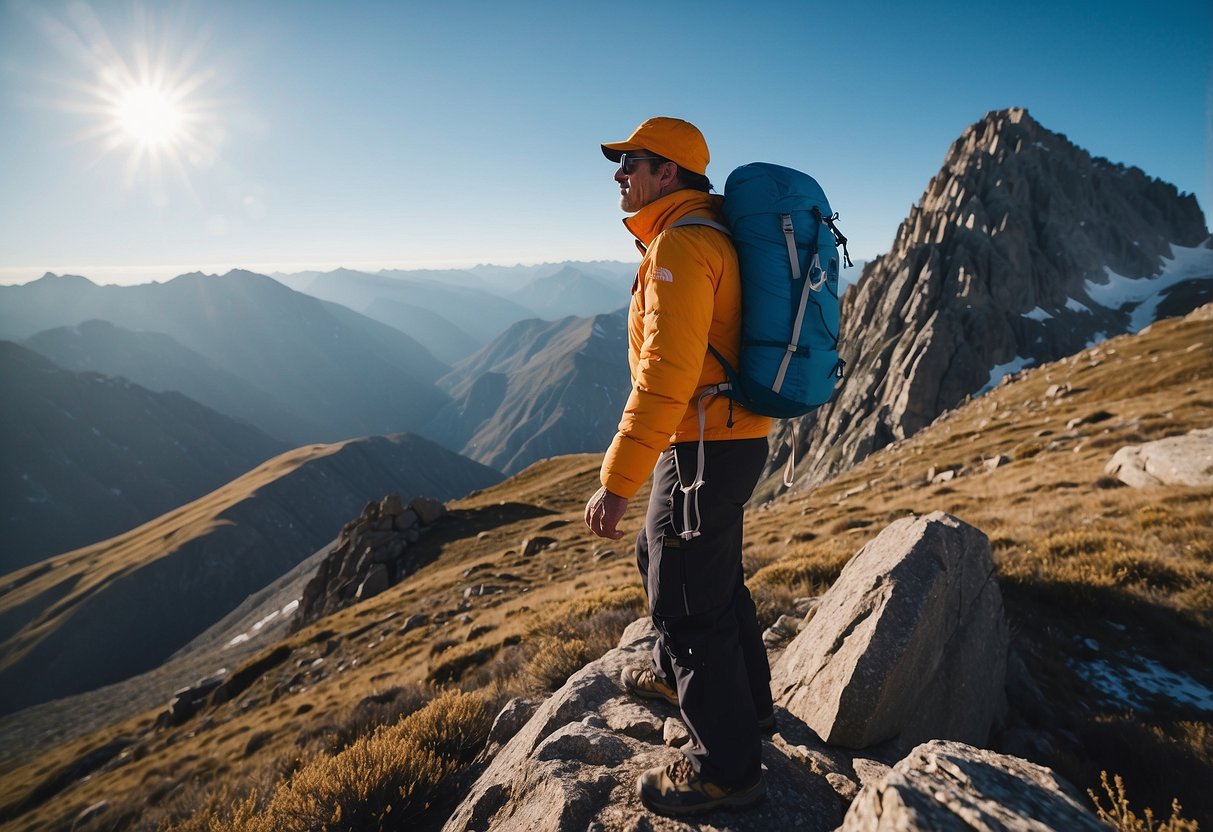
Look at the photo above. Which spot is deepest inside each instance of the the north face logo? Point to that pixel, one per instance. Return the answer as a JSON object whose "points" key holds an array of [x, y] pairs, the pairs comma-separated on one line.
{"points": [[663, 274]]}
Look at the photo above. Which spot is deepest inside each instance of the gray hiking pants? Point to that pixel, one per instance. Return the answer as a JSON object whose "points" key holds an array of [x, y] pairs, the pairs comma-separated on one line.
{"points": [[709, 646]]}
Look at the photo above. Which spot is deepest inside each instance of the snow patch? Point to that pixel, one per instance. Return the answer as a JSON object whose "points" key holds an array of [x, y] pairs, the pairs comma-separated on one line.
{"points": [[1146, 292], [1075, 306], [256, 628], [1136, 682], [1037, 314], [999, 370]]}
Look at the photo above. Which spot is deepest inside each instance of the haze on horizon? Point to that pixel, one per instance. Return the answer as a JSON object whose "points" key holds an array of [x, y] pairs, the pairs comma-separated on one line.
{"points": [[147, 141]]}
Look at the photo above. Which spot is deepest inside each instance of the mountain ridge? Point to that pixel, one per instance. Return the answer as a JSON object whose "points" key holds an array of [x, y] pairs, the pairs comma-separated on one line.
{"points": [[103, 612], [1018, 222]]}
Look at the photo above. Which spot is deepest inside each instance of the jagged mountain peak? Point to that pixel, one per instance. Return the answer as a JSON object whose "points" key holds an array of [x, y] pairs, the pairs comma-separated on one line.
{"points": [[1023, 249], [1008, 171]]}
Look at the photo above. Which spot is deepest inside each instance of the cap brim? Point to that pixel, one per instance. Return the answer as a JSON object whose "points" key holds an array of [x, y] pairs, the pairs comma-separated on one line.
{"points": [[616, 149]]}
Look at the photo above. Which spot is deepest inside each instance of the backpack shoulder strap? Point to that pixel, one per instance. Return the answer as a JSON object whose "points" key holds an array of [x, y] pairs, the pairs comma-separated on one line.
{"points": [[722, 228]]}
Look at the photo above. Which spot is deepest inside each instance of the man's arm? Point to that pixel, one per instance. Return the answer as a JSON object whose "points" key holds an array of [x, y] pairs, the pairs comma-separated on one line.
{"points": [[679, 296]]}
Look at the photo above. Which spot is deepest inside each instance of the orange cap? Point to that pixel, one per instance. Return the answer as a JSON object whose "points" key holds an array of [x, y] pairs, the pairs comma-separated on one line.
{"points": [[675, 139]]}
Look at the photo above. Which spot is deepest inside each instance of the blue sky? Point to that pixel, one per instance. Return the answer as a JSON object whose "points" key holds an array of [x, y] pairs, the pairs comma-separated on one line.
{"points": [[434, 134]]}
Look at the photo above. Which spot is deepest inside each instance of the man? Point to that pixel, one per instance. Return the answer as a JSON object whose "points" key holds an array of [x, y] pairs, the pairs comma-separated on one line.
{"points": [[709, 658]]}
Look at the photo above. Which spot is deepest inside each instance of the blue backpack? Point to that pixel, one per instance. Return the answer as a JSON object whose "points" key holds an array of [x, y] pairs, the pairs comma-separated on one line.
{"points": [[787, 250]]}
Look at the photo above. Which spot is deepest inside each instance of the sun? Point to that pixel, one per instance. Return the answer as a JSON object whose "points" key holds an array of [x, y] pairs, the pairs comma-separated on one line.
{"points": [[146, 94], [149, 116]]}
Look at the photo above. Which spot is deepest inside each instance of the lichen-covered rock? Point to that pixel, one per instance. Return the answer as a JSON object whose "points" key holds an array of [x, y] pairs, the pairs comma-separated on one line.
{"points": [[909, 643], [951, 787]]}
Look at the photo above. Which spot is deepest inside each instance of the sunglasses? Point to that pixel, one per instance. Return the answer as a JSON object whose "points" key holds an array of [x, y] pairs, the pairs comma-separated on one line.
{"points": [[627, 162]]}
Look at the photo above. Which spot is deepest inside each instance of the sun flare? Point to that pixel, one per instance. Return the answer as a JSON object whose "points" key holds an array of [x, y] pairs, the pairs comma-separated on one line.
{"points": [[148, 97], [149, 116]]}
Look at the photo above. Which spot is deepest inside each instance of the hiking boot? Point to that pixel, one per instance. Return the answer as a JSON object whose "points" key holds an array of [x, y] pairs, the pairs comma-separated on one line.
{"points": [[677, 790], [643, 682]]}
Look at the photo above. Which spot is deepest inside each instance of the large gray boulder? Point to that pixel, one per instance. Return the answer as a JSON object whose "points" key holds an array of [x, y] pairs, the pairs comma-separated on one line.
{"points": [[574, 764], [951, 787], [909, 644], [1176, 460]]}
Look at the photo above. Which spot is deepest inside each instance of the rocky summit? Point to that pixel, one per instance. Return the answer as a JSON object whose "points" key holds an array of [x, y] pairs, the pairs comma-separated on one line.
{"points": [[1023, 249], [908, 646]]}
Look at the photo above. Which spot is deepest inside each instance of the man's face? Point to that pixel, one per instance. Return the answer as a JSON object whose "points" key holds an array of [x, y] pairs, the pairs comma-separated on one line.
{"points": [[639, 187]]}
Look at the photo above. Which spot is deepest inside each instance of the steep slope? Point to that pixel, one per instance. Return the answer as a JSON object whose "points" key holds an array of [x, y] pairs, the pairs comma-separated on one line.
{"points": [[342, 373], [1023, 249], [158, 362], [99, 614], [1106, 588], [539, 389], [572, 291], [84, 457]]}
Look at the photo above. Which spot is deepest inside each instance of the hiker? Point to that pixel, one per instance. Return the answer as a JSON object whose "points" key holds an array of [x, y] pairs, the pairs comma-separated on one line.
{"points": [[705, 458]]}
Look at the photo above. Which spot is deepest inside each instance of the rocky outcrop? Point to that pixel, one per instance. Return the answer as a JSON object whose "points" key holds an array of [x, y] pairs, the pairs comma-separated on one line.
{"points": [[1023, 249], [372, 553], [946, 786], [927, 586], [909, 644], [574, 764], [1176, 460]]}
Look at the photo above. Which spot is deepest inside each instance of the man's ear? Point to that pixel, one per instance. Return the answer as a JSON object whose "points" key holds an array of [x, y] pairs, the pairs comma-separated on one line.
{"points": [[668, 178]]}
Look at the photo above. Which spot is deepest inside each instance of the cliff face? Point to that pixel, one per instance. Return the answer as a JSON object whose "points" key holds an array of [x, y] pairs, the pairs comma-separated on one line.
{"points": [[1023, 249]]}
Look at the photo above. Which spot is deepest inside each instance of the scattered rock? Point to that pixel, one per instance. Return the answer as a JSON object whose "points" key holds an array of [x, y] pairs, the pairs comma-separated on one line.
{"points": [[782, 631], [188, 700], [846, 788], [674, 732], [532, 546], [413, 622], [1090, 419], [951, 786], [428, 509], [1177, 460], [909, 643], [995, 462]]}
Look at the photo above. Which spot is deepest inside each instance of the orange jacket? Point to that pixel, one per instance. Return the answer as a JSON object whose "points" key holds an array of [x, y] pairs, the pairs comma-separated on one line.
{"points": [[687, 294]]}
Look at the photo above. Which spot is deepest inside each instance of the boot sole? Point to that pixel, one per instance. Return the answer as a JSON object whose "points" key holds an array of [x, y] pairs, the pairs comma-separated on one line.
{"points": [[733, 802]]}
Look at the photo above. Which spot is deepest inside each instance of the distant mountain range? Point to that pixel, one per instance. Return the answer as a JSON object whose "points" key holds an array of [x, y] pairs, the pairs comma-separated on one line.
{"points": [[540, 389], [456, 312], [84, 456], [104, 612], [324, 372]]}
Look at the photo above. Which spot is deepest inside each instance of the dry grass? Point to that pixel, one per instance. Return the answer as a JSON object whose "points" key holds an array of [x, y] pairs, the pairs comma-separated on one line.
{"points": [[1120, 817], [386, 780], [1080, 562], [570, 634]]}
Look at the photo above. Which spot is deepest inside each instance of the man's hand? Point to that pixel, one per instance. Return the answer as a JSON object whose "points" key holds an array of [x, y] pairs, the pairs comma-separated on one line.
{"points": [[603, 512]]}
